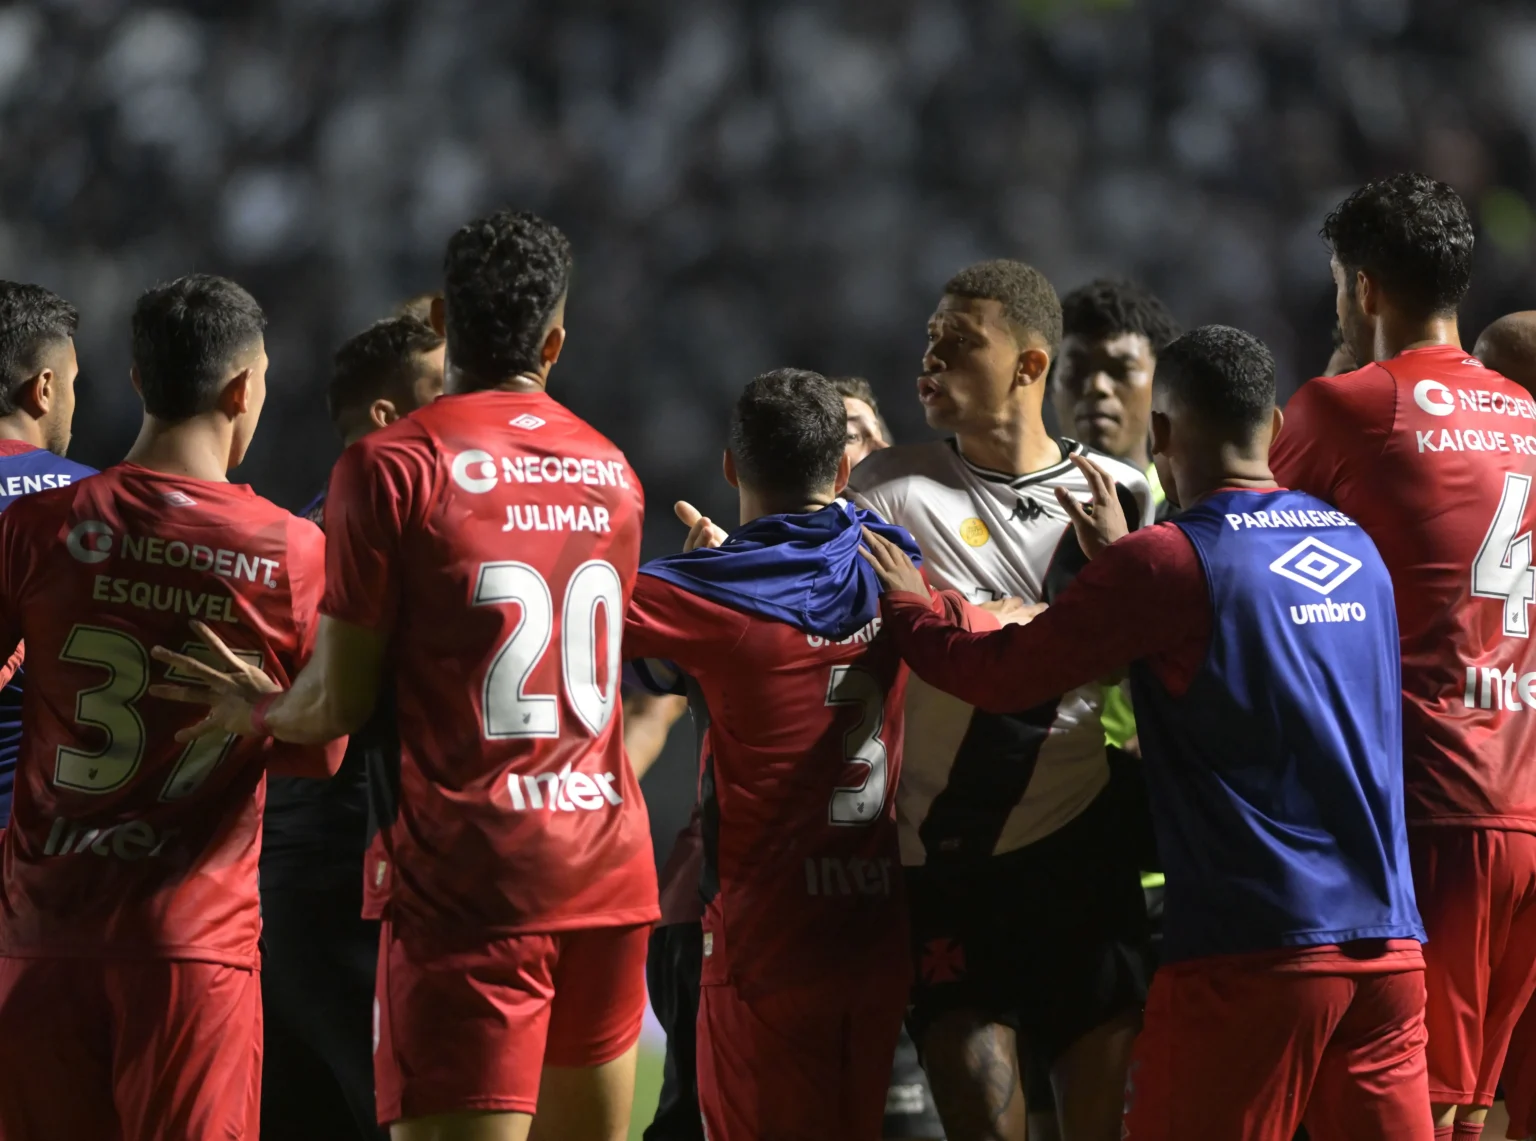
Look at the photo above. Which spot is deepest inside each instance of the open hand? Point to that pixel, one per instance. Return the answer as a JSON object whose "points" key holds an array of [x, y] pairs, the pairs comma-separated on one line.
{"points": [[701, 531], [895, 570], [229, 693], [1101, 520]]}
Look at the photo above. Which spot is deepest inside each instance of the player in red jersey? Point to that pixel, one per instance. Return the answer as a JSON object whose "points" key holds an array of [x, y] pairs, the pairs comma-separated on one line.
{"points": [[486, 546], [1435, 454], [805, 959], [129, 997], [1508, 346]]}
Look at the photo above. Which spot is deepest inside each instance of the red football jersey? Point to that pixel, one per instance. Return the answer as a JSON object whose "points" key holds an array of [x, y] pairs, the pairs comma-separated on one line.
{"points": [[1434, 455], [797, 788], [494, 537], [124, 843]]}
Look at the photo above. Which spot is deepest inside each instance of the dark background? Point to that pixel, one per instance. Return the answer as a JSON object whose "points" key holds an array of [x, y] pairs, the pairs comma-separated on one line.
{"points": [[747, 184]]}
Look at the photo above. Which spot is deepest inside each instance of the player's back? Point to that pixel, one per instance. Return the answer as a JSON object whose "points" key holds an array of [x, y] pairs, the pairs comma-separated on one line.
{"points": [[801, 760], [496, 535], [24, 470], [1434, 455], [124, 842]]}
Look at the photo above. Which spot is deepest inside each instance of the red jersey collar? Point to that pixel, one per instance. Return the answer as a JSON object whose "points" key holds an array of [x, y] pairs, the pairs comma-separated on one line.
{"points": [[16, 448]]}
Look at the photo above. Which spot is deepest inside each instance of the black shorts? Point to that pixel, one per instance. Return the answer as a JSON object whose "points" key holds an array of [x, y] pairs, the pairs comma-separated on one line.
{"points": [[318, 964], [1050, 939], [673, 966]]}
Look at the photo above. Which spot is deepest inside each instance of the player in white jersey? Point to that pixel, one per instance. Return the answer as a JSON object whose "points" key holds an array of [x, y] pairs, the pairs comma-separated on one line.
{"points": [[1027, 917]]}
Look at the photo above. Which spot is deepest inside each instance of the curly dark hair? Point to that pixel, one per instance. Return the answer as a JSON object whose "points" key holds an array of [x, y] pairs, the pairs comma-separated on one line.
{"points": [[1222, 374], [1412, 234], [186, 334], [381, 360], [788, 431], [1109, 306], [1027, 297], [502, 278], [32, 320]]}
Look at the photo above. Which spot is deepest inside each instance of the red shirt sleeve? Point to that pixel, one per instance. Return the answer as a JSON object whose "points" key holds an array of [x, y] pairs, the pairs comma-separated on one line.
{"points": [[306, 578], [1334, 428], [15, 565], [1143, 597], [666, 621], [377, 487]]}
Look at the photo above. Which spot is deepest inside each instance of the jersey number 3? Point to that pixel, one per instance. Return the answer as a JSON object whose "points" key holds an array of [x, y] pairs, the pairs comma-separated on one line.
{"points": [[508, 708], [1503, 568], [864, 802]]}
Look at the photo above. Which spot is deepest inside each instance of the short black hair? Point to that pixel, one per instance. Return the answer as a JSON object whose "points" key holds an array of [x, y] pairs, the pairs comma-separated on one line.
{"points": [[1412, 234], [1109, 307], [186, 334], [502, 278], [32, 320], [788, 431], [382, 359], [1028, 298], [1223, 375]]}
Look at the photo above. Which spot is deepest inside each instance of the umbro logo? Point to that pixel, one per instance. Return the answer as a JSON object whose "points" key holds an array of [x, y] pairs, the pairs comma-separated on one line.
{"points": [[179, 499], [527, 422], [1316, 565], [1027, 511]]}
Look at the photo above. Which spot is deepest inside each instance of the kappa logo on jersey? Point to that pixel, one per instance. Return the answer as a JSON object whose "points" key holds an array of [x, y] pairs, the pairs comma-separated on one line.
{"points": [[564, 791], [475, 471], [527, 422], [1316, 565], [90, 541], [1027, 511], [1434, 397]]}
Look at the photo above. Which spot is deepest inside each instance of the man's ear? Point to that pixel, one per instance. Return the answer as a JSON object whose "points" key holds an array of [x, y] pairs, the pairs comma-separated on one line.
{"points": [[382, 413], [1162, 430], [235, 397], [1034, 366], [728, 466], [37, 394], [438, 316], [133, 376], [554, 341], [844, 470], [1276, 422], [1367, 296]]}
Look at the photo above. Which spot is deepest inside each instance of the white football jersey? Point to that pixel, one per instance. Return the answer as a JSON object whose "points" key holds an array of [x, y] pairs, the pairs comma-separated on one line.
{"points": [[976, 783]]}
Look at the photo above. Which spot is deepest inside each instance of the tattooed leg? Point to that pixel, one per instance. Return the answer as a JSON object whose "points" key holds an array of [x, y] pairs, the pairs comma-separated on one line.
{"points": [[973, 1068]]}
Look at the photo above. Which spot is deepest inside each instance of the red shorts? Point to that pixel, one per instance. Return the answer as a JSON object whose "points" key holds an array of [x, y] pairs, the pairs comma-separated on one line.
{"points": [[136, 1050], [1236, 1049], [1520, 1076], [473, 1029], [1477, 893], [797, 1063]]}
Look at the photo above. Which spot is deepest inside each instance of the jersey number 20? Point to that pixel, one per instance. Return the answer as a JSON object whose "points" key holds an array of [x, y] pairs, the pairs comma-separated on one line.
{"points": [[508, 708]]}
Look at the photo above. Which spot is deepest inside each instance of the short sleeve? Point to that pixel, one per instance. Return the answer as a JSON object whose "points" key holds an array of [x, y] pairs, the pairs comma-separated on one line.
{"points": [[1334, 428], [377, 489]]}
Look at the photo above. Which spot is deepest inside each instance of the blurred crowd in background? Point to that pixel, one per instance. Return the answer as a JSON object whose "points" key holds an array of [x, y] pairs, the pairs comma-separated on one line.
{"points": [[747, 183]]}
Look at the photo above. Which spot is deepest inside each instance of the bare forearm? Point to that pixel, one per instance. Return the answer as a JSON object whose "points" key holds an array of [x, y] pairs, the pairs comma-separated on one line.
{"points": [[334, 693]]}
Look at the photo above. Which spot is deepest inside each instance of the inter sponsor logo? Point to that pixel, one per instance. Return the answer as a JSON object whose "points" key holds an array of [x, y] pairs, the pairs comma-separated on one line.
{"points": [[1488, 687], [564, 791], [856, 876], [130, 840], [1312, 613]]}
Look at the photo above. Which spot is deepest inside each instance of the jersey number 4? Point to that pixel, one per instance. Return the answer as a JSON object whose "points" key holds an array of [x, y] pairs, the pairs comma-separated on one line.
{"points": [[508, 708], [1503, 568], [111, 708]]}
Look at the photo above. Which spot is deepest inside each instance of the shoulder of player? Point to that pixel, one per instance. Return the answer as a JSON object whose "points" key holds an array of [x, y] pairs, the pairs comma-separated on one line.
{"points": [[898, 465], [1356, 392]]}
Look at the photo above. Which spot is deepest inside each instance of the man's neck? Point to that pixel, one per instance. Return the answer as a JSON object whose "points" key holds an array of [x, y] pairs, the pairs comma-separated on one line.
{"points": [[197, 448], [1229, 468], [460, 382], [22, 428], [755, 506], [1396, 336], [1017, 448]]}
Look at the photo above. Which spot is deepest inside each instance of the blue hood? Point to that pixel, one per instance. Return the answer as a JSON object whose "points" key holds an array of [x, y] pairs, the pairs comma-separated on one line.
{"points": [[804, 570]]}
